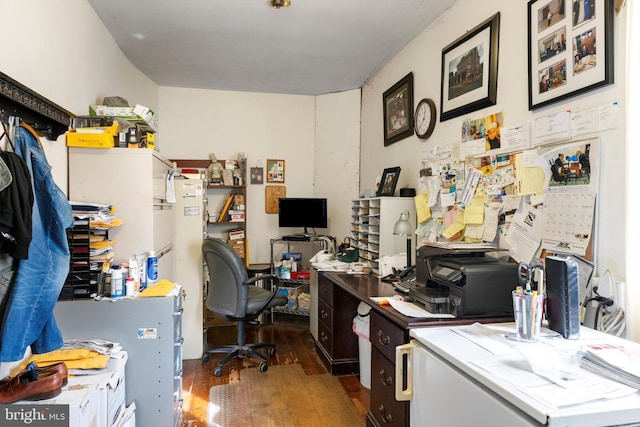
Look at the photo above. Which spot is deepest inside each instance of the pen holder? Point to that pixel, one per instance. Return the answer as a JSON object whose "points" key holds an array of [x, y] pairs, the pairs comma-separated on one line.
{"points": [[527, 311]]}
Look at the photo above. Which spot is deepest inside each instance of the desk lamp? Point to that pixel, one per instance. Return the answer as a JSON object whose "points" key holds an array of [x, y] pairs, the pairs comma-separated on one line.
{"points": [[403, 227]]}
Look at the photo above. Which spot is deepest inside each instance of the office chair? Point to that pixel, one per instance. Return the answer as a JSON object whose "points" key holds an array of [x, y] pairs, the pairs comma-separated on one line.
{"points": [[557, 176], [233, 296]]}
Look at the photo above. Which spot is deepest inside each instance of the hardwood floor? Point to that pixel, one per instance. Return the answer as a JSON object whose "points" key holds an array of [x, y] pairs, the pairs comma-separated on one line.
{"points": [[294, 345]]}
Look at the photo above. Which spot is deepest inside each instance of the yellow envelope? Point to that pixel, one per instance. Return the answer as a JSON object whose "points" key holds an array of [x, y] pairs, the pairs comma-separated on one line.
{"points": [[159, 289]]}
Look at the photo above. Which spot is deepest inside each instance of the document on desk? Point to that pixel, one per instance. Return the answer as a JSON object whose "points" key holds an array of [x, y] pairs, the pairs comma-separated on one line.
{"points": [[588, 387], [491, 338], [412, 310]]}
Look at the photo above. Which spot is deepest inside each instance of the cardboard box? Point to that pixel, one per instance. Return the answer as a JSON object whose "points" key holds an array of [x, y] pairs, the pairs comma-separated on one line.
{"points": [[121, 112], [238, 246], [90, 140], [83, 401], [236, 234], [96, 137], [111, 386], [127, 417], [147, 115], [234, 217]]}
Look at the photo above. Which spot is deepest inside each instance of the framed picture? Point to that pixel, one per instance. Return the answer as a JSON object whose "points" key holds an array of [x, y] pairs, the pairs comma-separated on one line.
{"points": [[570, 48], [275, 170], [388, 182], [397, 102], [257, 176], [470, 71]]}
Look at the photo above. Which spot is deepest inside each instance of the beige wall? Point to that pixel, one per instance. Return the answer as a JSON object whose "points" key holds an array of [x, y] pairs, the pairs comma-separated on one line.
{"points": [[61, 50], [263, 126], [336, 157], [423, 57], [315, 137]]}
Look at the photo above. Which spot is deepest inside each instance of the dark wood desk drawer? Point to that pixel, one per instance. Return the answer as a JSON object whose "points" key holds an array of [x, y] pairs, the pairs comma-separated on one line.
{"points": [[385, 336], [325, 338], [325, 290], [325, 314], [385, 408]]}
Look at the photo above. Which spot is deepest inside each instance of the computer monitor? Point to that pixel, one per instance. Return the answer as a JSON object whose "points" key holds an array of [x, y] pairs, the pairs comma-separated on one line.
{"points": [[302, 212]]}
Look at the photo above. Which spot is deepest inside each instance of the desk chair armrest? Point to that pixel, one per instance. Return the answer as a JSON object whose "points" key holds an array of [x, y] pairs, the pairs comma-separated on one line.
{"points": [[272, 278], [273, 285]]}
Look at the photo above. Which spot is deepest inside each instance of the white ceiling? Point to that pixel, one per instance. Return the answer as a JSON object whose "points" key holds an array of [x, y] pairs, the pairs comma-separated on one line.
{"points": [[311, 48]]}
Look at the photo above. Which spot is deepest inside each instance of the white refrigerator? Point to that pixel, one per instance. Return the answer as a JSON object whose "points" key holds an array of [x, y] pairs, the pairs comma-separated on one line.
{"points": [[190, 227]]}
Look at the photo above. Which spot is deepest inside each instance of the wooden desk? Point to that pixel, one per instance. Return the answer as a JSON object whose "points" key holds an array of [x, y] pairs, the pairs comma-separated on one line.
{"points": [[338, 297]]}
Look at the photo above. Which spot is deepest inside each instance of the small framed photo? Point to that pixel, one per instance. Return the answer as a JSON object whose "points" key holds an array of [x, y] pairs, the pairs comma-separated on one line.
{"points": [[388, 182], [275, 170], [398, 110], [570, 48], [257, 176]]}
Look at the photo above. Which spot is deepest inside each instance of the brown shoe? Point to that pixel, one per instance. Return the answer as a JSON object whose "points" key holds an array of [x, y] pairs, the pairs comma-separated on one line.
{"points": [[59, 367], [22, 387]]}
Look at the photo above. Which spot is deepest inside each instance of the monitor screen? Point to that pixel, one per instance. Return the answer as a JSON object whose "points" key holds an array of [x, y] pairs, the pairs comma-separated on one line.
{"points": [[302, 212]]}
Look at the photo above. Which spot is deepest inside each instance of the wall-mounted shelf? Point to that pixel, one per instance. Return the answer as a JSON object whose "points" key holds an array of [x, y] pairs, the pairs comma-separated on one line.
{"points": [[43, 115]]}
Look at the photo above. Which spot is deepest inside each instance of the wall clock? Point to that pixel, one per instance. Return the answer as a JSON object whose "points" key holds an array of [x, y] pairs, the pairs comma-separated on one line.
{"points": [[424, 120]]}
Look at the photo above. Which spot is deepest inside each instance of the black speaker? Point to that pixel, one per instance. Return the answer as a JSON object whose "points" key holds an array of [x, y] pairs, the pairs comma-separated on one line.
{"points": [[407, 192]]}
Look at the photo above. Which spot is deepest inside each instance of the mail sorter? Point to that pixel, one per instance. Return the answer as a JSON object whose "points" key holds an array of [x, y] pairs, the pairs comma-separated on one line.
{"points": [[466, 283]]}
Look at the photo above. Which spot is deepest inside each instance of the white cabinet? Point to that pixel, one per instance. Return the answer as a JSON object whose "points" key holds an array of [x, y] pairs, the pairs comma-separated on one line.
{"points": [[134, 182], [372, 222], [447, 368]]}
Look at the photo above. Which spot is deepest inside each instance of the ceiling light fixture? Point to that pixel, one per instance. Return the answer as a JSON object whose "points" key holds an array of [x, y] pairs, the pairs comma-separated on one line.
{"points": [[277, 4]]}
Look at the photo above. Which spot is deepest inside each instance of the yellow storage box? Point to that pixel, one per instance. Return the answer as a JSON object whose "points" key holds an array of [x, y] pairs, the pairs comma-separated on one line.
{"points": [[98, 137]]}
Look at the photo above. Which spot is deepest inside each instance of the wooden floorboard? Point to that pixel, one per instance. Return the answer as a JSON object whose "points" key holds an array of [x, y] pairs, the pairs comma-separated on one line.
{"points": [[294, 345]]}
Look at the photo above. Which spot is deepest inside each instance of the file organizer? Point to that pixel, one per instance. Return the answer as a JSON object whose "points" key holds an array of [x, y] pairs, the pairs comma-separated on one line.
{"points": [[82, 280], [563, 301]]}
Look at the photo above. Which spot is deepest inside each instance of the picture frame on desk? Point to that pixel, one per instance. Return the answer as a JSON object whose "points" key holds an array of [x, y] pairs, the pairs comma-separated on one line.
{"points": [[570, 49], [388, 182], [477, 87]]}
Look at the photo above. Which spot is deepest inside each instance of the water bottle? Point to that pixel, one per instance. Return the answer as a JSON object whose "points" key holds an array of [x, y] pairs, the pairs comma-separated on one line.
{"points": [[152, 268]]}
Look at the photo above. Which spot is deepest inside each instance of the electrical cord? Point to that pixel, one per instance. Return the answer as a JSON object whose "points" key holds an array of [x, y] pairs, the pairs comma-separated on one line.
{"points": [[607, 319], [613, 323]]}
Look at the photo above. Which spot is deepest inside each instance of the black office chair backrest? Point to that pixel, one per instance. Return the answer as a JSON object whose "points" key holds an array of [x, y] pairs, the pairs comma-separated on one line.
{"points": [[225, 296]]}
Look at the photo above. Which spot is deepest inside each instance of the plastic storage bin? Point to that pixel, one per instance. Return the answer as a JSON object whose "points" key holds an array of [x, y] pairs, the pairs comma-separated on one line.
{"points": [[361, 328]]}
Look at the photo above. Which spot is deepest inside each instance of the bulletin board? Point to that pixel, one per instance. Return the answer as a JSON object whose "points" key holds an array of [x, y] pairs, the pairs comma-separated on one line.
{"points": [[526, 193], [271, 195]]}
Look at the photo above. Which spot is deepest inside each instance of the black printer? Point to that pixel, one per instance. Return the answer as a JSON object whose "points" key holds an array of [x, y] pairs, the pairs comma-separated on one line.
{"points": [[465, 282]]}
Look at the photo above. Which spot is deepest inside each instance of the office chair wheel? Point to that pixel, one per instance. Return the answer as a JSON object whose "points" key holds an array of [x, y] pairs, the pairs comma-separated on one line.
{"points": [[205, 357], [217, 372], [272, 351], [263, 367]]}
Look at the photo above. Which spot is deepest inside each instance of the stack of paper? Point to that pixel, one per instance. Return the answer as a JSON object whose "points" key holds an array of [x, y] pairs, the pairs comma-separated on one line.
{"points": [[615, 361]]}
